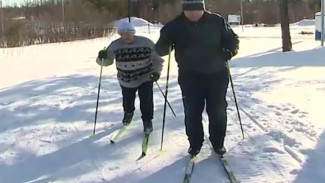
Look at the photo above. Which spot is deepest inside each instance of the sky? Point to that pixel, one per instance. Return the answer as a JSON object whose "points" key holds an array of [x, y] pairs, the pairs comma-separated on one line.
{"points": [[13, 2]]}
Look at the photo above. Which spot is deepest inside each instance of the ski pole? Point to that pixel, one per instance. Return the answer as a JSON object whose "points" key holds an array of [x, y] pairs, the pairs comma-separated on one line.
{"points": [[235, 98], [98, 94], [166, 99], [166, 94]]}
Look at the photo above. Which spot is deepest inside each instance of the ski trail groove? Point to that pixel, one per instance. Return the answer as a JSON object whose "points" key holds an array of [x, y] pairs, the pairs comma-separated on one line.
{"points": [[289, 151]]}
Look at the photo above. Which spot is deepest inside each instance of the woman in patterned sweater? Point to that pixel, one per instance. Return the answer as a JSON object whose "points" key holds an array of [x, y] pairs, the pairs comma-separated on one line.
{"points": [[138, 67]]}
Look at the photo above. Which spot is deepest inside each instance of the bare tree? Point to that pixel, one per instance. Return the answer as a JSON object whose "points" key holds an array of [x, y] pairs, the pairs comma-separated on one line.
{"points": [[285, 27], [2, 25]]}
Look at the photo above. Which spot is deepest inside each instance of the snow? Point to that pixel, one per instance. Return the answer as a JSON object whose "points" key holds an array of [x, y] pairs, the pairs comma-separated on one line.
{"points": [[305, 22], [136, 22], [48, 97], [140, 25], [313, 57], [318, 14]]}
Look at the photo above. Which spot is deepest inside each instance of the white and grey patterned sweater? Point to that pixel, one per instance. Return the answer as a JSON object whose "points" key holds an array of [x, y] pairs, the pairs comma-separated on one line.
{"points": [[134, 62]]}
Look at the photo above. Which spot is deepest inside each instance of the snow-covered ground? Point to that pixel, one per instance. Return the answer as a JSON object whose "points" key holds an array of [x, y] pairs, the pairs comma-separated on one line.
{"points": [[48, 98], [305, 22]]}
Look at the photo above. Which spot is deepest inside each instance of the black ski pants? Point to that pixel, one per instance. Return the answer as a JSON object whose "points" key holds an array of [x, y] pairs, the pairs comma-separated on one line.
{"points": [[145, 92], [205, 90]]}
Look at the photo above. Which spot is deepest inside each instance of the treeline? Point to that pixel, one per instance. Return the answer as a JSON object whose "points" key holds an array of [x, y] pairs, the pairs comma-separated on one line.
{"points": [[53, 21], [265, 11], [48, 21], [254, 11]]}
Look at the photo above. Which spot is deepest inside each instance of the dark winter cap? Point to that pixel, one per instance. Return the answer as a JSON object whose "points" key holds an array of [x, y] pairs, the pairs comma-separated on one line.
{"points": [[193, 5]]}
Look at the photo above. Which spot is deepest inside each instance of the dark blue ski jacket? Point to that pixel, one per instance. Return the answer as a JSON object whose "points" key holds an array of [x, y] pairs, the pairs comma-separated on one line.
{"points": [[201, 47]]}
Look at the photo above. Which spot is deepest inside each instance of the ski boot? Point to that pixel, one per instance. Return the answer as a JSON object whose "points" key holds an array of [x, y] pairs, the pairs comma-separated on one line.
{"points": [[147, 127], [193, 151], [221, 151], [127, 118]]}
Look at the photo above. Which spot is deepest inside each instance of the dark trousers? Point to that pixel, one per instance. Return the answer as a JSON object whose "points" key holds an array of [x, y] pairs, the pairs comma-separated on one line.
{"points": [[198, 91], [145, 92]]}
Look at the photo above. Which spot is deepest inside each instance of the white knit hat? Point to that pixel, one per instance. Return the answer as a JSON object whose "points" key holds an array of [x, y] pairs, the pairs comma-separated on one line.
{"points": [[125, 27]]}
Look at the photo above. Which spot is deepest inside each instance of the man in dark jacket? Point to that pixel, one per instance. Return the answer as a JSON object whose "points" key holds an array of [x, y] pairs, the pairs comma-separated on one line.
{"points": [[203, 43]]}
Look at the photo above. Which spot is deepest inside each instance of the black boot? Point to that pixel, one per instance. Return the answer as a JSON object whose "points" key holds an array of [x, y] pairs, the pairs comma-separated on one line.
{"points": [[193, 151], [220, 151], [147, 127], [127, 118]]}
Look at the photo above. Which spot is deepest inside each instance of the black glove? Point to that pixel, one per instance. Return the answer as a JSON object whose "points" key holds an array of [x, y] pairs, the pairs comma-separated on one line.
{"points": [[227, 54], [102, 54], [154, 76]]}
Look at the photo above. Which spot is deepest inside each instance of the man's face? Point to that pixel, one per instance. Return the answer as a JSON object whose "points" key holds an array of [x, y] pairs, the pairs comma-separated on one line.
{"points": [[128, 38], [193, 15]]}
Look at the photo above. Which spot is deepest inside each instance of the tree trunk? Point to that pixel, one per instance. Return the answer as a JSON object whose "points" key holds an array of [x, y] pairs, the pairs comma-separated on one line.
{"points": [[285, 28]]}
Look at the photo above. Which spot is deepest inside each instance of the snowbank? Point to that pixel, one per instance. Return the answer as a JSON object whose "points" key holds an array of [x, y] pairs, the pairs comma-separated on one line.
{"points": [[136, 22], [305, 22], [140, 24], [311, 58]]}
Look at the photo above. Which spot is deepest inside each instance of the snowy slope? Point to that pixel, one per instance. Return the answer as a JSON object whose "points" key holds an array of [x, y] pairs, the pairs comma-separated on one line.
{"points": [[48, 97], [305, 22], [137, 22]]}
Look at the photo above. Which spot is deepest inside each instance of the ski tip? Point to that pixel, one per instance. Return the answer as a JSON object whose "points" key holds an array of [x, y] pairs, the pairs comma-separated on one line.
{"points": [[174, 115], [186, 179], [142, 156], [112, 141]]}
